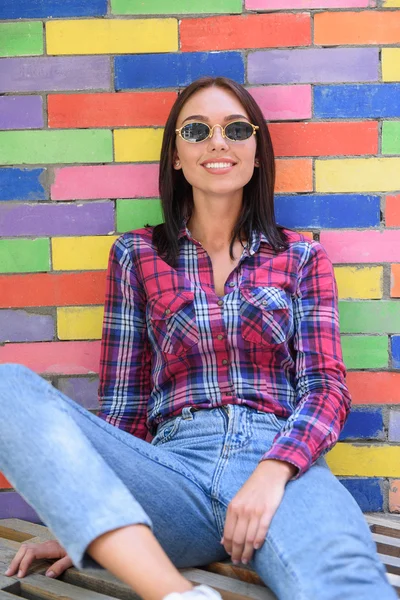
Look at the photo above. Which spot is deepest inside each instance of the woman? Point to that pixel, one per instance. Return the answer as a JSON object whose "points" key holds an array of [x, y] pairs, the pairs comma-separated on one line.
{"points": [[221, 338]]}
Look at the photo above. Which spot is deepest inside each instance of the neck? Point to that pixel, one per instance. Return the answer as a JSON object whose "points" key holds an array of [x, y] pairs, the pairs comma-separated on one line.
{"points": [[213, 220]]}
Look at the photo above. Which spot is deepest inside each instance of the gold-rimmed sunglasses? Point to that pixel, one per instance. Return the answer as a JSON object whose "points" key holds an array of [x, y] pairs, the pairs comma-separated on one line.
{"points": [[235, 131]]}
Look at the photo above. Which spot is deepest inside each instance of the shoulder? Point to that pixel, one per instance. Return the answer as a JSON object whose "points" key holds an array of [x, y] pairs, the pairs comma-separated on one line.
{"points": [[134, 242]]}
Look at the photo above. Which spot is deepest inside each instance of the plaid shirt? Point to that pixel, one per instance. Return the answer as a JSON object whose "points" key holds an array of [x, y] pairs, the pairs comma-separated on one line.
{"points": [[271, 342]]}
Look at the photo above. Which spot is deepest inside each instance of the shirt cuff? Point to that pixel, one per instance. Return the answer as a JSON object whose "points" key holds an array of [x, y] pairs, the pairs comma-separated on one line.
{"points": [[292, 451]]}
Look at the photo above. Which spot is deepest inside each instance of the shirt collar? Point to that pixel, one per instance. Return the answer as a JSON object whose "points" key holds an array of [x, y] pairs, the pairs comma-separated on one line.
{"points": [[255, 238]]}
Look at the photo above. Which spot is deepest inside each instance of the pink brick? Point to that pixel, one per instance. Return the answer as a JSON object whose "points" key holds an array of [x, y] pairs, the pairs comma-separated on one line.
{"points": [[284, 102], [105, 181], [301, 4], [362, 246], [61, 358]]}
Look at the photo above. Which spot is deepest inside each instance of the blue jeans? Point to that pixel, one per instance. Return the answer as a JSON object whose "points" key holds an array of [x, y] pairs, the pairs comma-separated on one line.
{"points": [[85, 477]]}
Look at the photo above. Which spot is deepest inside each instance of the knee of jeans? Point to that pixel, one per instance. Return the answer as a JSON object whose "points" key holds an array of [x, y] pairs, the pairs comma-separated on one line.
{"points": [[11, 372]]}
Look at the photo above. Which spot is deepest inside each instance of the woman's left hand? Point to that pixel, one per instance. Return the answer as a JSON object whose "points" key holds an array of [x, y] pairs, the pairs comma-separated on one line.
{"points": [[251, 511]]}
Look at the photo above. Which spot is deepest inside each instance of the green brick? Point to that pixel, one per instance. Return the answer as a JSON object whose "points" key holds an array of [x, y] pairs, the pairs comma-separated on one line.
{"points": [[46, 147], [391, 137], [134, 214], [370, 317], [21, 39], [174, 7], [24, 256], [365, 351]]}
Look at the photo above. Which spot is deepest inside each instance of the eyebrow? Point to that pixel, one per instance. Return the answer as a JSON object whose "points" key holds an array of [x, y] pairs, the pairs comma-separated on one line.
{"points": [[203, 118]]}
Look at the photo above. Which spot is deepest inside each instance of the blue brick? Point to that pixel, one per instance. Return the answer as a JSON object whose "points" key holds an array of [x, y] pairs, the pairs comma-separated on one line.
{"points": [[396, 351], [335, 210], [357, 101], [363, 424], [21, 184], [175, 70], [42, 9], [366, 492]]}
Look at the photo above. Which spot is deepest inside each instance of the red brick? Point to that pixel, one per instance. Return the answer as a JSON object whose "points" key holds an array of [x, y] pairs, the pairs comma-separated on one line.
{"points": [[395, 281], [52, 289], [364, 27], [393, 211], [110, 110], [245, 31], [324, 139], [394, 495], [374, 387]]}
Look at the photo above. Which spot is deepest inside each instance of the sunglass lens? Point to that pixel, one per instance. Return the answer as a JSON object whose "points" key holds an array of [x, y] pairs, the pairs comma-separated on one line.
{"points": [[240, 130], [195, 132]]}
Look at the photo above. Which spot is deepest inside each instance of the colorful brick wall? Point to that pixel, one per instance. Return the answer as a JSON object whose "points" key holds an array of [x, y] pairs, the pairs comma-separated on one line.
{"points": [[86, 87]]}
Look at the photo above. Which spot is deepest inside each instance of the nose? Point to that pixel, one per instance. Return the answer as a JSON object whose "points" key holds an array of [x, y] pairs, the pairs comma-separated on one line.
{"points": [[217, 140]]}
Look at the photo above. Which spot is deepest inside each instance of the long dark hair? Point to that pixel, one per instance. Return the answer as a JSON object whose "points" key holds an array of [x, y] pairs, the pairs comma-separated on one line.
{"points": [[177, 195]]}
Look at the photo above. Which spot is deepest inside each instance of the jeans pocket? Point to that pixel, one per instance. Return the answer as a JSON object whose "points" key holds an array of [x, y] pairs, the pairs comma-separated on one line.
{"points": [[266, 316], [277, 422], [166, 430], [172, 323]]}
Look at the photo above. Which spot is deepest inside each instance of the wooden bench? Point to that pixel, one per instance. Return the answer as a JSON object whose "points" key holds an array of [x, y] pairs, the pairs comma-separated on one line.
{"points": [[234, 582]]}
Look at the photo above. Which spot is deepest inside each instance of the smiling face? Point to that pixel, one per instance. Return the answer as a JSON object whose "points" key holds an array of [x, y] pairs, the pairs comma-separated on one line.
{"points": [[201, 162]]}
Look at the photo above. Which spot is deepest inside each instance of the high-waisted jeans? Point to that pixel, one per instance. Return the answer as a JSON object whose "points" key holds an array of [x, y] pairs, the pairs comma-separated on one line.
{"points": [[85, 477]]}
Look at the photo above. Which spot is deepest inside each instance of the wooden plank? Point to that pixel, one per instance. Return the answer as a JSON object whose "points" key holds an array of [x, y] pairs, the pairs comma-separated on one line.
{"points": [[22, 531], [230, 589], [241, 572]]}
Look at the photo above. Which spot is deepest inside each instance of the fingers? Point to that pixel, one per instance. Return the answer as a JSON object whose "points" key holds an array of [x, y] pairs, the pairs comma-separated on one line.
{"points": [[21, 561], [27, 553], [59, 567]]}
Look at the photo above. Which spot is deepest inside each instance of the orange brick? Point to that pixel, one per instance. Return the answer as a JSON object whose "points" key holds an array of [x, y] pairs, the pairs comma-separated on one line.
{"points": [[60, 358], [294, 175], [365, 27], [393, 211], [374, 387], [324, 139], [110, 110], [245, 31], [395, 281], [4, 483], [394, 495], [52, 289]]}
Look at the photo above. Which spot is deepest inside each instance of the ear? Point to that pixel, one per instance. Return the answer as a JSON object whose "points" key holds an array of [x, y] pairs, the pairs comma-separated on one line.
{"points": [[176, 162]]}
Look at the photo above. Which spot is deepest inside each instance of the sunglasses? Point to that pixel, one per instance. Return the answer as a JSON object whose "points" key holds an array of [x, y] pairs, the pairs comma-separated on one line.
{"points": [[237, 131]]}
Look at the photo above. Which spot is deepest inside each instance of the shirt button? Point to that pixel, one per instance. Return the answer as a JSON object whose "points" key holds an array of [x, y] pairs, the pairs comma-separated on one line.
{"points": [[264, 302], [224, 362], [220, 337], [232, 284], [168, 310], [220, 302]]}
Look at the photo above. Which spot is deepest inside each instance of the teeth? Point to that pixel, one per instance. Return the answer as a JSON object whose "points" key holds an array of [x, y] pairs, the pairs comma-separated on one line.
{"points": [[218, 165]]}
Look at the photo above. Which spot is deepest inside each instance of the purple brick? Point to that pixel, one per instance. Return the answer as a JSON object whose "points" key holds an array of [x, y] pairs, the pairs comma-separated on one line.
{"points": [[81, 389], [13, 506], [89, 218], [21, 112], [314, 65], [394, 426], [22, 326], [55, 73]]}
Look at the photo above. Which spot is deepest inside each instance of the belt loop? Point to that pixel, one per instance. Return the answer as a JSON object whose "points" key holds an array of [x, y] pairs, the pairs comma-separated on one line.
{"points": [[186, 412]]}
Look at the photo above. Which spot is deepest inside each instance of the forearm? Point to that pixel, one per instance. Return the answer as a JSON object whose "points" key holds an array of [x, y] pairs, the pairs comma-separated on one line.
{"points": [[277, 470]]}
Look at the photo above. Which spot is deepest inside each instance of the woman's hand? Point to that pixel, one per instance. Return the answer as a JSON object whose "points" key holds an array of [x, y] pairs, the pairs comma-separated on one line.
{"points": [[251, 511], [30, 552]]}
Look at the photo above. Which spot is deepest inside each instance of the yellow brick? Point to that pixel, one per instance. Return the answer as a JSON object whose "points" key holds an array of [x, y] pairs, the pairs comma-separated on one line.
{"points": [[391, 64], [391, 4], [137, 145], [359, 282], [364, 461], [81, 253], [111, 36], [80, 322], [358, 175]]}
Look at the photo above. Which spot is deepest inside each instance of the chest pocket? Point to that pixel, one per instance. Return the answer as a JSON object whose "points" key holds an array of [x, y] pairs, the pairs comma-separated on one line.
{"points": [[172, 320], [266, 315]]}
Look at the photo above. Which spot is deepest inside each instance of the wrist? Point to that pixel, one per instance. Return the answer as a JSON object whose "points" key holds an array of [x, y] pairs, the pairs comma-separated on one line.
{"points": [[279, 469]]}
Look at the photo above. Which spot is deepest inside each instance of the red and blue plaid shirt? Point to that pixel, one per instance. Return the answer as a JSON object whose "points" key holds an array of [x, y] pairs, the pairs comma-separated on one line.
{"points": [[271, 342]]}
